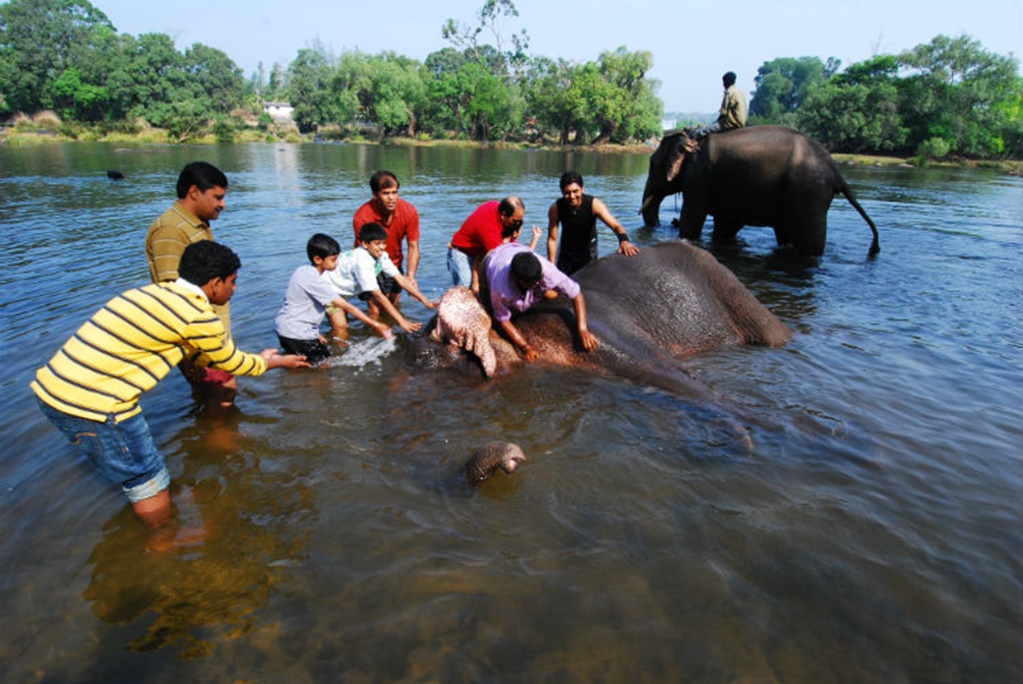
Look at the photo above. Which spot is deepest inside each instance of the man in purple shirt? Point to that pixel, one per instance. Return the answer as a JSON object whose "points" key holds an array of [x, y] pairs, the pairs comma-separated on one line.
{"points": [[516, 278]]}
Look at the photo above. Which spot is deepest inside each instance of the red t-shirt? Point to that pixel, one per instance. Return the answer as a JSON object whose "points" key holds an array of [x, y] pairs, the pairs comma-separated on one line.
{"points": [[404, 225], [481, 232]]}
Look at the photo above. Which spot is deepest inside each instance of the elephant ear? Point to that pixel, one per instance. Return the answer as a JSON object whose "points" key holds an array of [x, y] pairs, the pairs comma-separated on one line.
{"points": [[463, 322], [675, 161]]}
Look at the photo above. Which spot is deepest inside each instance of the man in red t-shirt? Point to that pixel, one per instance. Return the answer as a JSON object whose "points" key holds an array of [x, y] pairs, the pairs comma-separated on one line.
{"points": [[480, 233], [400, 219]]}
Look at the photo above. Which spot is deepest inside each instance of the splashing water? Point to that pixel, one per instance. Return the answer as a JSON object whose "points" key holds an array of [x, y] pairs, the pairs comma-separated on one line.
{"points": [[365, 352]]}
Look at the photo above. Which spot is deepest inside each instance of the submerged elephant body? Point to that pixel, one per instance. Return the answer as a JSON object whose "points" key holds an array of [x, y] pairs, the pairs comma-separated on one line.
{"points": [[757, 176], [649, 311]]}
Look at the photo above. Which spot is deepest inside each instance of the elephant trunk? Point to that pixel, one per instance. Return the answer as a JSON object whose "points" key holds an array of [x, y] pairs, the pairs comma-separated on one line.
{"points": [[488, 458], [651, 207]]}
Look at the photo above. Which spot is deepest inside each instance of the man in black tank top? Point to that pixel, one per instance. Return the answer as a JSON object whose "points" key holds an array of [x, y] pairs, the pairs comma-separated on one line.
{"points": [[577, 213]]}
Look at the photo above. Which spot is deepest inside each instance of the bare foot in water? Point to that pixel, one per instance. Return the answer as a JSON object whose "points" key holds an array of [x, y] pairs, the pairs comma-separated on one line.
{"points": [[175, 534]]}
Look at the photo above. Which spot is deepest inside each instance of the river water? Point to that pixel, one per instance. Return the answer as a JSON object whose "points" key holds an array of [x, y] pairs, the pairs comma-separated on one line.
{"points": [[872, 533]]}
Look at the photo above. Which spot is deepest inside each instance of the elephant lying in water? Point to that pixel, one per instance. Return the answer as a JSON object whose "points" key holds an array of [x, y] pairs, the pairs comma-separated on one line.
{"points": [[757, 176], [648, 311]]}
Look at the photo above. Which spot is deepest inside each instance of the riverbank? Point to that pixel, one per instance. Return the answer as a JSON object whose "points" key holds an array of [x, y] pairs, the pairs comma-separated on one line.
{"points": [[17, 137]]}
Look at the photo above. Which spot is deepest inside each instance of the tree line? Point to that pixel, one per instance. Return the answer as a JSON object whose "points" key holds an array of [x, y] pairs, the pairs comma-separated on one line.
{"points": [[949, 97]]}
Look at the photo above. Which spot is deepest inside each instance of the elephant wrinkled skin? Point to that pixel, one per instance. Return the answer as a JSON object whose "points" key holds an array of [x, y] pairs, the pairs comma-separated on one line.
{"points": [[649, 311], [757, 176]]}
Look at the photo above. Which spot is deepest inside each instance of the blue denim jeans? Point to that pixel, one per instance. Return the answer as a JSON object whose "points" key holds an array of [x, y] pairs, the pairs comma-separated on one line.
{"points": [[704, 131], [459, 267], [122, 452]]}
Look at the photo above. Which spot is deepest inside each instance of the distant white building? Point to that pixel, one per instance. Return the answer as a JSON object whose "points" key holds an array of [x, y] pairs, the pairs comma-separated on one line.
{"points": [[279, 111]]}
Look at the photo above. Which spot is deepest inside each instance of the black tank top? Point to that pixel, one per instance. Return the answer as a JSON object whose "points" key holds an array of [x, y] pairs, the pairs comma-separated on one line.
{"points": [[578, 232]]}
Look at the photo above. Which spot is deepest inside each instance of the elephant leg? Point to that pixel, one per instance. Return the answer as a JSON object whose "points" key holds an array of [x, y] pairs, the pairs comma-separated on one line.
{"points": [[725, 230], [806, 229], [691, 222], [804, 214], [781, 235]]}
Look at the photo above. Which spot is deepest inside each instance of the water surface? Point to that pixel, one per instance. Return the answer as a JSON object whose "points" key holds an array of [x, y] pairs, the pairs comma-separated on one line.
{"points": [[872, 533]]}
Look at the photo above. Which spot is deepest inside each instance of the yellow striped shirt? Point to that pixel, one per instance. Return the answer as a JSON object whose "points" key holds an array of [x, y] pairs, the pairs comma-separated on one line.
{"points": [[131, 344]]}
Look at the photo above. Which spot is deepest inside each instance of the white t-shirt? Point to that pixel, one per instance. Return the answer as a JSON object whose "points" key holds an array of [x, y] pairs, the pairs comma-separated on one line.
{"points": [[357, 271]]}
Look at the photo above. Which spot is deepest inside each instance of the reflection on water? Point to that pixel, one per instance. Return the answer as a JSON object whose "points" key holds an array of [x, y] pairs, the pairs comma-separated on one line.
{"points": [[254, 523], [843, 509]]}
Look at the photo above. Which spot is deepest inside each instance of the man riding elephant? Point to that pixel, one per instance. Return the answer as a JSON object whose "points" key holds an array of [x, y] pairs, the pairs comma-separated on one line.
{"points": [[731, 115]]}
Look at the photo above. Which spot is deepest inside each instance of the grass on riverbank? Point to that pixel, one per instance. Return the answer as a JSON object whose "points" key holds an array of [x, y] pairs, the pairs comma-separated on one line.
{"points": [[19, 136]]}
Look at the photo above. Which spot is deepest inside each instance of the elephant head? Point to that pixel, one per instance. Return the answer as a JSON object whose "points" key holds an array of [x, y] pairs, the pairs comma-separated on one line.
{"points": [[462, 322], [665, 177]]}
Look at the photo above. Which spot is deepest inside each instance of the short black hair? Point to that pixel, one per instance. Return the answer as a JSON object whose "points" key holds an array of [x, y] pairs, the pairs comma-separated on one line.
{"points": [[202, 175], [728, 79], [372, 231], [568, 178], [322, 246], [381, 180], [205, 260], [526, 267]]}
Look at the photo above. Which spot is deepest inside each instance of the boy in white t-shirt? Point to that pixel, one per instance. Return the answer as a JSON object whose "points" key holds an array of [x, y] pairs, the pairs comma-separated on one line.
{"points": [[308, 295], [359, 271]]}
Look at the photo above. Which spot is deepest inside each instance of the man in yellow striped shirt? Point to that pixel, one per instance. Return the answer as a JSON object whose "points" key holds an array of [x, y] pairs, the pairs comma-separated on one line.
{"points": [[90, 389]]}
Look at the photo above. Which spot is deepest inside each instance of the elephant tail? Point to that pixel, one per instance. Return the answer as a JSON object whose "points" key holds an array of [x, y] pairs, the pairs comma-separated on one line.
{"points": [[844, 188]]}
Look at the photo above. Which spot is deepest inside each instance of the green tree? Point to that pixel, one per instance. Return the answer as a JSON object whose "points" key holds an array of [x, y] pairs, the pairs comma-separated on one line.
{"points": [[394, 93], [510, 52], [186, 118], [856, 110], [351, 76], [549, 108], [309, 89], [40, 41], [611, 100], [782, 85], [961, 93], [468, 96], [276, 83], [489, 104], [150, 79], [627, 91], [215, 76], [447, 102], [73, 99], [853, 117]]}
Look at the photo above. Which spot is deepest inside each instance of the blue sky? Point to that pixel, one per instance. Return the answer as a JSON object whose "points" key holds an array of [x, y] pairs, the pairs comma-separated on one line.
{"points": [[692, 43]]}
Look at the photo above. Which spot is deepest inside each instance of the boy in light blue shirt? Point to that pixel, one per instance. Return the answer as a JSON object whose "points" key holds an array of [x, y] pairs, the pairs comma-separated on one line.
{"points": [[359, 272]]}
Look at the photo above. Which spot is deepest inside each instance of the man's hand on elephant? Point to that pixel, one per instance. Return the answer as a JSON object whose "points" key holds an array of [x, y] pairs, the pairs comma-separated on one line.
{"points": [[588, 339], [529, 353], [627, 248]]}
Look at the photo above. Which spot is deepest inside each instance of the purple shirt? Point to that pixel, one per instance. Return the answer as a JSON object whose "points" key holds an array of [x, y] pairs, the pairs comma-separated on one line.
{"points": [[506, 296]]}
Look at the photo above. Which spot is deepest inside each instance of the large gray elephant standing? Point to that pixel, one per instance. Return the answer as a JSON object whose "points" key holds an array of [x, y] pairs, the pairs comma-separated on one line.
{"points": [[649, 311], [757, 176]]}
